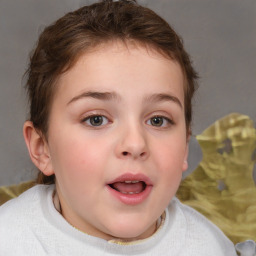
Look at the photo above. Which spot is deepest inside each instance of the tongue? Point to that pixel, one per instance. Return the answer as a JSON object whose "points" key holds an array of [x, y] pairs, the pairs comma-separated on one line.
{"points": [[129, 187]]}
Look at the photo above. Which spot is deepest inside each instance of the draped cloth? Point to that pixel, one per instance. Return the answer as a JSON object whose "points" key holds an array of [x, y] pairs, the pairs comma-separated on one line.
{"points": [[222, 187]]}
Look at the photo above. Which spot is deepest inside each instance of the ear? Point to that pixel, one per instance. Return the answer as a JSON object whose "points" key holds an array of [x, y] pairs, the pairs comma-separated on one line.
{"points": [[38, 149], [185, 162]]}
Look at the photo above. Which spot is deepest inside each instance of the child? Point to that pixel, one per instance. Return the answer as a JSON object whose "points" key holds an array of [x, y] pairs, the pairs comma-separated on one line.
{"points": [[110, 88]]}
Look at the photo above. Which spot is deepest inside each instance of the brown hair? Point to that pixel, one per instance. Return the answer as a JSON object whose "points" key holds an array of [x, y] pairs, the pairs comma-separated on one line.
{"points": [[61, 43]]}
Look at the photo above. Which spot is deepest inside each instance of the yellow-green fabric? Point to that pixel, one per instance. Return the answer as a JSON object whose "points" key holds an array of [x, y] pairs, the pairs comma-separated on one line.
{"points": [[222, 187]]}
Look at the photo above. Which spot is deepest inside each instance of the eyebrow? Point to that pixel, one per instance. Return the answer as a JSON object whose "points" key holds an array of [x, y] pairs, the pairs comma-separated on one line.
{"points": [[95, 95], [164, 97], [158, 97]]}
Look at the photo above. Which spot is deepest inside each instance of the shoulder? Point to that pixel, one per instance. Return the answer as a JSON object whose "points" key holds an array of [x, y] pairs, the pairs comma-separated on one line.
{"points": [[197, 222], [25, 202], [20, 218], [201, 234], [18, 213]]}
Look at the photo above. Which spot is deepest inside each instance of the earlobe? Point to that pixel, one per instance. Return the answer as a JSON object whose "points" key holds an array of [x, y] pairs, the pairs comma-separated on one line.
{"points": [[185, 162], [38, 148], [185, 165]]}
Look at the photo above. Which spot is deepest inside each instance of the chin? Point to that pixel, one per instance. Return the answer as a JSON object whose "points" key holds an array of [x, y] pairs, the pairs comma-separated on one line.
{"points": [[132, 232]]}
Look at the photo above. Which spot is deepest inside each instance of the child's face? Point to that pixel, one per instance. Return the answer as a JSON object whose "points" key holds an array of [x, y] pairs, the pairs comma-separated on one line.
{"points": [[117, 140]]}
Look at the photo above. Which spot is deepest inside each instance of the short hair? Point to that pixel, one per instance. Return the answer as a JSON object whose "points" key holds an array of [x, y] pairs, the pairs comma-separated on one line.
{"points": [[62, 43]]}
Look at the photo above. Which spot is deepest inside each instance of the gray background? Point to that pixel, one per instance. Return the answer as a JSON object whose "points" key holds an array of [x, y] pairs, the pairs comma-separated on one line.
{"points": [[220, 35]]}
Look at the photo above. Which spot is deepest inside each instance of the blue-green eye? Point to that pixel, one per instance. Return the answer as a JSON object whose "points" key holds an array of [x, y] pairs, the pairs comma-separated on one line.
{"points": [[96, 120], [159, 121]]}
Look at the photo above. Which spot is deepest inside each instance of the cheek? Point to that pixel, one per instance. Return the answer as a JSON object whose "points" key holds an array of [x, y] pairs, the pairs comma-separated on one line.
{"points": [[77, 157], [169, 159], [77, 169], [171, 154]]}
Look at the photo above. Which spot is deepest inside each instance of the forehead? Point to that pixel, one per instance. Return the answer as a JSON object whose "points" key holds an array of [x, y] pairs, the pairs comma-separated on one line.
{"points": [[118, 64]]}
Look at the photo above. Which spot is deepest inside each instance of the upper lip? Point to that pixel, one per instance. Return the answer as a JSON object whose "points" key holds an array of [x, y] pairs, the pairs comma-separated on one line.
{"points": [[132, 177]]}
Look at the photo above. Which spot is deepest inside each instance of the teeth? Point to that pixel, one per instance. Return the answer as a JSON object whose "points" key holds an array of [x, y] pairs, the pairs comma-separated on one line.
{"points": [[131, 181], [130, 193]]}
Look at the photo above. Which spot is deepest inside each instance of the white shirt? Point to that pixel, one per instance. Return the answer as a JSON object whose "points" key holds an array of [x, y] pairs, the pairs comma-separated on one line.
{"points": [[30, 225]]}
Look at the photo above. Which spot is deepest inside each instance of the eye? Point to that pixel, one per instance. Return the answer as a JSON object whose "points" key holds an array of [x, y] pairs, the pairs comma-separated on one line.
{"points": [[160, 121], [96, 120]]}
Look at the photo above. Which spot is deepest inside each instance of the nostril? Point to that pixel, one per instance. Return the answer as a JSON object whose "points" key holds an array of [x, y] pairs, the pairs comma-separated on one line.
{"points": [[143, 154], [125, 153]]}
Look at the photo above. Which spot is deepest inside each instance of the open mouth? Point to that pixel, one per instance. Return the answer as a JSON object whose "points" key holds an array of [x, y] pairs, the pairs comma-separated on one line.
{"points": [[130, 187]]}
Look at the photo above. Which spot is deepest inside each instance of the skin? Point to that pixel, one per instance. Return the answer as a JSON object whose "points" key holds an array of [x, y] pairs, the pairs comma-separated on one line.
{"points": [[85, 158]]}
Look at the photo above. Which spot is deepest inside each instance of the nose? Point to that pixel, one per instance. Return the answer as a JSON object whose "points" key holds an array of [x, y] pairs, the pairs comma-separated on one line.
{"points": [[133, 143]]}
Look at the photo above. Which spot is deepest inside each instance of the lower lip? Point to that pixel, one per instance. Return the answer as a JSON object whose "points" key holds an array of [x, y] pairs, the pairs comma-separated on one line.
{"points": [[131, 199]]}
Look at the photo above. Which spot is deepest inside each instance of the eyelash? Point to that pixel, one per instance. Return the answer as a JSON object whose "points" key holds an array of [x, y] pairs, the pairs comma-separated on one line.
{"points": [[103, 120]]}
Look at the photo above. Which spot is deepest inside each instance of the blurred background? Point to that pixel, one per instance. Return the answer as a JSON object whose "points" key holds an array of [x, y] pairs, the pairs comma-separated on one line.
{"points": [[220, 36]]}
